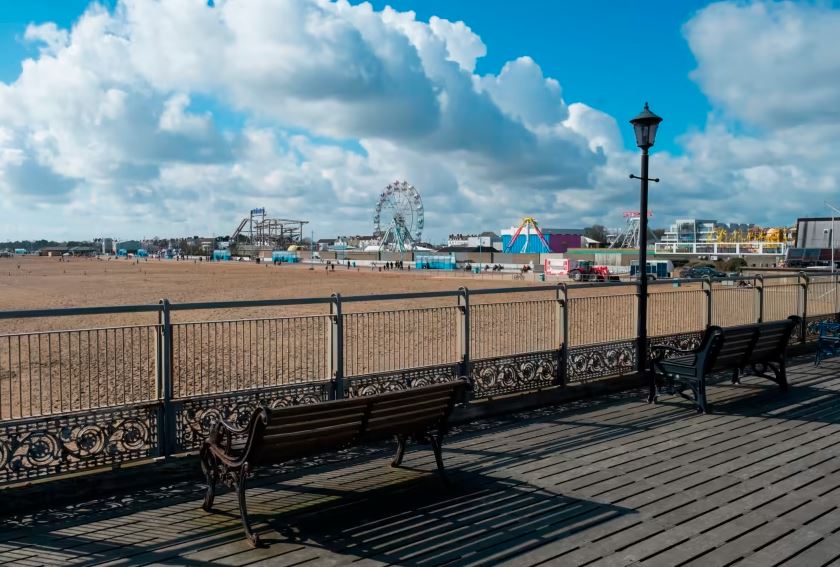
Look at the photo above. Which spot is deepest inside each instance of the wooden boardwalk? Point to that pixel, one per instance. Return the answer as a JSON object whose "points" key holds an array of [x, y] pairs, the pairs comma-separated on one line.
{"points": [[608, 482]]}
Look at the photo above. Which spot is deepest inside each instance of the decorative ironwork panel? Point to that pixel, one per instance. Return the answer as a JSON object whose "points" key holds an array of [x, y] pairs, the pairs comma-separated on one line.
{"points": [[812, 326], [402, 380], [67, 443], [681, 341], [195, 416], [508, 374], [598, 361]]}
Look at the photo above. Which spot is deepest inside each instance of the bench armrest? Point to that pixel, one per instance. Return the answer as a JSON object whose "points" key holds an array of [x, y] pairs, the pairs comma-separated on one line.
{"points": [[222, 433]]}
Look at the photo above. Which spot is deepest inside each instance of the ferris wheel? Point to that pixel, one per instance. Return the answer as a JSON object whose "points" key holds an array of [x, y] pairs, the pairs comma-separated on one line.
{"points": [[398, 217]]}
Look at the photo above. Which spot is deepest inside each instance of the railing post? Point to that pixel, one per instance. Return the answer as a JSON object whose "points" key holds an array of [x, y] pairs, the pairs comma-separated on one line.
{"points": [[337, 344], [758, 284], [562, 317], [803, 302], [166, 426], [707, 289], [463, 329]]}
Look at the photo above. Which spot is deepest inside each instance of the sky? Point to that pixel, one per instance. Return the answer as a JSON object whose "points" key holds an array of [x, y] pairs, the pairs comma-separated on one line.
{"points": [[139, 118]]}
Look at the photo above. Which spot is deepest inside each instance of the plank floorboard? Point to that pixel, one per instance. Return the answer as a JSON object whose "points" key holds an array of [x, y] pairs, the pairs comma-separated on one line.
{"points": [[612, 482]]}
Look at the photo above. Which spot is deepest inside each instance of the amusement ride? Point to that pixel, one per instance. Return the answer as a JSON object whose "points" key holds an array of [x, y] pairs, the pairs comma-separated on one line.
{"points": [[527, 224], [398, 218]]}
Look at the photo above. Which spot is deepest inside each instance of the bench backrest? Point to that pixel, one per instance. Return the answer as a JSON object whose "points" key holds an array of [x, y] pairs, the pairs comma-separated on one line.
{"points": [[773, 339], [289, 432], [282, 433], [410, 411], [734, 348]]}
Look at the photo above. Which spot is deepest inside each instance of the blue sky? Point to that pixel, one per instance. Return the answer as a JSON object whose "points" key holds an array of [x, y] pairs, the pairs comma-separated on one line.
{"points": [[176, 118], [16, 15], [599, 48]]}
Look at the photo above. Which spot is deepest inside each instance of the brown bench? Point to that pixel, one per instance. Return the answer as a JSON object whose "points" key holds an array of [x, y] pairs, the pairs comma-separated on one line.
{"points": [[277, 435]]}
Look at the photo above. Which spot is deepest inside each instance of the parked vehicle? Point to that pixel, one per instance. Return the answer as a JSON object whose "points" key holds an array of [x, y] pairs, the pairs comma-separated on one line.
{"points": [[696, 272], [587, 271], [656, 269]]}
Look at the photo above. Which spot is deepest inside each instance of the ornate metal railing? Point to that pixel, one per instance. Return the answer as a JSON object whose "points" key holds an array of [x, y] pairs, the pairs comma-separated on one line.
{"points": [[510, 374], [60, 444], [391, 381], [83, 399], [589, 362]]}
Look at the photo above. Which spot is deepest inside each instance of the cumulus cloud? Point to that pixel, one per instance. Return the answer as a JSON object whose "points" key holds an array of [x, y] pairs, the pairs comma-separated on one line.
{"points": [[342, 99], [772, 64], [521, 92], [51, 38], [108, 125], [462, 45]]}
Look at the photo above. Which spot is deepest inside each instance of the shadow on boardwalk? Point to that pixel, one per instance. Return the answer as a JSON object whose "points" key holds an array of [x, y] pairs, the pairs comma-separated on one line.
{"points": [[425, 523], [613, 481]]}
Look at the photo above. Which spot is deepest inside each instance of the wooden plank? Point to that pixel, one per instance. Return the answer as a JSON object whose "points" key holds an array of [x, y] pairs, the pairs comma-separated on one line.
{"points": [[614, 481], [825, 551]]}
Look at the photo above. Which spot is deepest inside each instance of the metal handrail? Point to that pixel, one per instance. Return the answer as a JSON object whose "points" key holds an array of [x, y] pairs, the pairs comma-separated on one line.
{"points": [[71, 311], [249, 303]]}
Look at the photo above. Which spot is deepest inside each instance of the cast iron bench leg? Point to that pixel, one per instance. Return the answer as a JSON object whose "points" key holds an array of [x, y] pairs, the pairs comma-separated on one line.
{"points": [[435, 440], [212, 476], [652, 383], [239, 482], [782, 374], [702, 405], [398, 458]]}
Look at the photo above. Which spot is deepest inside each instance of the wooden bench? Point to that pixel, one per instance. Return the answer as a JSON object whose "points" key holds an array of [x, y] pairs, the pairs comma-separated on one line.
{"points": [[277, 435], [761, 347]]}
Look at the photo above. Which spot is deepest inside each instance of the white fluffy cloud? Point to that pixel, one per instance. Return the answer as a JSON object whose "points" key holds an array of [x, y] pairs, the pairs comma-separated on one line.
{"points": [[774, 65], [114, 127]]}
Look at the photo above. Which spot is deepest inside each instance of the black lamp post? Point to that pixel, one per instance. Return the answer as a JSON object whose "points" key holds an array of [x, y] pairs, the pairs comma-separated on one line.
{"points": [[645, 126]]}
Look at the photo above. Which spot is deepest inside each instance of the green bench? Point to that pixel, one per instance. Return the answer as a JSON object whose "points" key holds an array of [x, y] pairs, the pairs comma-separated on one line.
{"points": [[761, 347]]}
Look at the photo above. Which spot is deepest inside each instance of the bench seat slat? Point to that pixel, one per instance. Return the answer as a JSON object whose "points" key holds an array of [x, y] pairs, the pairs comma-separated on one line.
{"points": [[401, 426], [409, 400], [429, 416], [403, 414], [303, 424], [418, 392], [280, 418], [311, 433], [285, 451], [378, 410], [337, 406]]}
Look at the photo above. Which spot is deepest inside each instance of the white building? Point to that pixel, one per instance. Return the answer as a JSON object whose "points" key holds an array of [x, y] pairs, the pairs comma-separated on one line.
{"points": [[699, 237], [356, 242], [489, 240], [691, 231]]}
